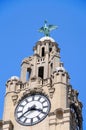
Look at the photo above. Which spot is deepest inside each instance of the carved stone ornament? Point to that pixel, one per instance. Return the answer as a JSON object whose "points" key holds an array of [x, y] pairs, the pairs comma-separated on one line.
{"points": [[51, 92], [76, 107], [14, 99]]}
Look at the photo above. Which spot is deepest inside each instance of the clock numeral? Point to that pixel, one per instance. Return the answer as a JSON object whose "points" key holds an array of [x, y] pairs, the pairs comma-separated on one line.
{"points": [[21, 105], [26, 100], [39, 98], [25, 120], [38, 117], [44, 112], [31, 120], [44, 101], [19, 111], [32, 98], [45, 106]]}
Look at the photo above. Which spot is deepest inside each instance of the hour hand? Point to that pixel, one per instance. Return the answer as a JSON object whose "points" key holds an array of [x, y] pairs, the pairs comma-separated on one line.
{"points": [[33, 107], [40, 110], [29, 109]]}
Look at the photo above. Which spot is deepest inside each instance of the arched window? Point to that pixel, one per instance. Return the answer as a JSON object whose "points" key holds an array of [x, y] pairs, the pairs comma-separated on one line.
{"points": [[41, 72], [50, 49], [51, 67], [28, 74], [43, 51]]}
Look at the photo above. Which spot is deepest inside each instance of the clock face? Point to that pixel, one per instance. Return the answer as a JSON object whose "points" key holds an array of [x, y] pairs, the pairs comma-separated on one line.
{"points": [[32, 109]]}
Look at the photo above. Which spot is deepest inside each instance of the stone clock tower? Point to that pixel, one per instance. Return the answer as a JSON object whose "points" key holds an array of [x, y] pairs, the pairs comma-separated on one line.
{"points": [[42, 98]]}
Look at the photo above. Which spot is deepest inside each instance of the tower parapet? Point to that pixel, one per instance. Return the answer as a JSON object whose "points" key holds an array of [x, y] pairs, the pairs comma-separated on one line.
{"points": [[11, 84]]}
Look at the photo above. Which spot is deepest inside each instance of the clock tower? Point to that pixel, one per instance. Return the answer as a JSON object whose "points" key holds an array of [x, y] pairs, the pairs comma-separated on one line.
{"points": [[42, 98]]}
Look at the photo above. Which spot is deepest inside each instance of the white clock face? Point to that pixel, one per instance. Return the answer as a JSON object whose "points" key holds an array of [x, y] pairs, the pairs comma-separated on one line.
{"points": [[32, 109]]}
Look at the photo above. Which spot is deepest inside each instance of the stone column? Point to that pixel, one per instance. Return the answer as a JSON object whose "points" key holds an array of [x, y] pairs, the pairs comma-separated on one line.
{"points": [[1, 123], [38, 49], [35, 67], [23, 73], [46, 67]]}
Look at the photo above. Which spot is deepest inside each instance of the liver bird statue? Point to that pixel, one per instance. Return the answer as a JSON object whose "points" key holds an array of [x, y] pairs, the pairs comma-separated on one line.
{"points": [[47, 28]]}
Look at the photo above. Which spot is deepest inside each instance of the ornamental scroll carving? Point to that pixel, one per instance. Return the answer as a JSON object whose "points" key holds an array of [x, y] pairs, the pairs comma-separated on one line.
{"points": [[75, 106]]}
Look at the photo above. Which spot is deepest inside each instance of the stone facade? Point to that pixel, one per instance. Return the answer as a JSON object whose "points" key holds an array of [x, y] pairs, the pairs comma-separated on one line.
{"points": [[1, 124], [44, 73]]}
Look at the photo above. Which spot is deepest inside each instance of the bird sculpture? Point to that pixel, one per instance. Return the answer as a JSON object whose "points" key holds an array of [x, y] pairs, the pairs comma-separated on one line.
{"points": [[47, 28]]}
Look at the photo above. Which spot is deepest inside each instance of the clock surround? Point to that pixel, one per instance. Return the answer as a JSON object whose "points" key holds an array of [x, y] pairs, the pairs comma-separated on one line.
{"points": [[32, 109]]}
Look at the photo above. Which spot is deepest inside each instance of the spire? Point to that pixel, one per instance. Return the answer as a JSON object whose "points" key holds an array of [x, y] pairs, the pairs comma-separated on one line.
{"points": [[47, 28]]}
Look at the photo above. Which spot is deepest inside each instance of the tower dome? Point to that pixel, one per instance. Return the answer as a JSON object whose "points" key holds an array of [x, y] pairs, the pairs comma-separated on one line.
{"points": [[47, 38], [14, 78], [60, 68]]}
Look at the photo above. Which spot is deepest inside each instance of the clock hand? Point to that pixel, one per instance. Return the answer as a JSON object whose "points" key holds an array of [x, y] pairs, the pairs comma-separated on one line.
{"points": [[24, 113], [40, 110], [37, 109], [28, 113], [29, 109], [33, 109]]}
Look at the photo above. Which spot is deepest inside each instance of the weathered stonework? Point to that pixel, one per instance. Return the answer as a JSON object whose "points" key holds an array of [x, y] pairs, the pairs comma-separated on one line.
{"points": [[45, 74]]}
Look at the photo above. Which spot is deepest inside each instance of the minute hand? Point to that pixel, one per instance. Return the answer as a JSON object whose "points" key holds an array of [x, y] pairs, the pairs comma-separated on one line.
{"points": [[29, 109]]}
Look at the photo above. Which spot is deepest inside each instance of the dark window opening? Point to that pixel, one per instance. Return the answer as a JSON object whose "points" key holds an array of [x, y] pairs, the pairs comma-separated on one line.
{"points": [[43, 51], [51, 67], [50, 49], [28, 74], [41, 72]]}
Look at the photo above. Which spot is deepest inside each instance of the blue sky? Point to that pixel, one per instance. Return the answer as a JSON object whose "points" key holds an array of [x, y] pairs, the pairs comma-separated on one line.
{"points": [[19, 22]]}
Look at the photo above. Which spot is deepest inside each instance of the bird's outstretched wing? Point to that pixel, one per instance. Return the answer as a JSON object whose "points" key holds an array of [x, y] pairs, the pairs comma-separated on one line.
{"points": [[41, 29], [52, 27]]}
